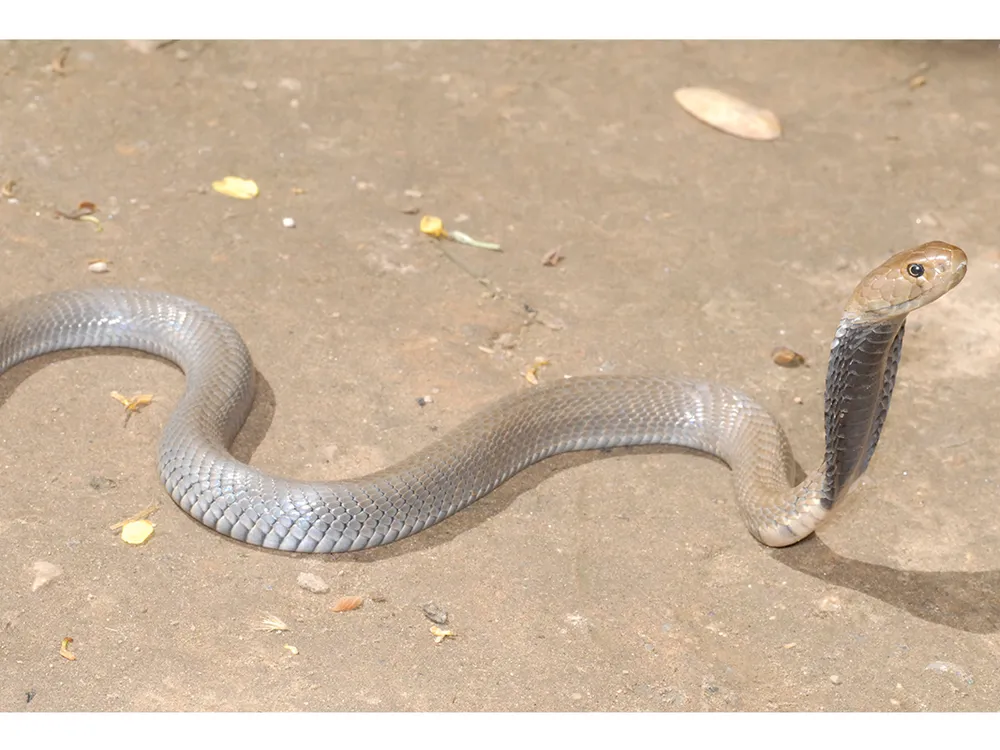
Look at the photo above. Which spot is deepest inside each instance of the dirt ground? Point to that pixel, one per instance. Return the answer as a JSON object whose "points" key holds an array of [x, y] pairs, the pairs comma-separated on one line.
{"points": [[622, 582]]}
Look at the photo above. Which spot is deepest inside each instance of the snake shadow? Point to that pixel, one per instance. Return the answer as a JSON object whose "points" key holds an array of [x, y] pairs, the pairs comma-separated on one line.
{"points": [[964, 601], [254, 429], [956, 599]]}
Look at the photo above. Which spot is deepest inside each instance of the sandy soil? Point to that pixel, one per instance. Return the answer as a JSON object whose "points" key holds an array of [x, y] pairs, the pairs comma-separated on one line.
{"points": [[621, 582]]}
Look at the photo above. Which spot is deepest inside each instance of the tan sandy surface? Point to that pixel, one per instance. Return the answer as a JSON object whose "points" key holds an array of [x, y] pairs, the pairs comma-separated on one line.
{"points": [[621, 582]]}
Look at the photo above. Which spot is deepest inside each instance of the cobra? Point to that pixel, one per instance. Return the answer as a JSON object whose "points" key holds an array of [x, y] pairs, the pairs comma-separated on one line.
{"points": [[580, 413]]}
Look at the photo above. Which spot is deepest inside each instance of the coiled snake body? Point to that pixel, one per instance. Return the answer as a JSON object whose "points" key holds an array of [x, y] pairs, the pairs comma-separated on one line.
{"points": [[580, 413]]}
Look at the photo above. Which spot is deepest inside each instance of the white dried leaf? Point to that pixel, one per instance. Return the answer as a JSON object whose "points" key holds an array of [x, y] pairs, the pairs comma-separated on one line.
{"points": [[729, 114]]}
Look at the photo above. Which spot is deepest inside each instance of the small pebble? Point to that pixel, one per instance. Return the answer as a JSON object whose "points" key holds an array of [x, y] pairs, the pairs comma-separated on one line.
{"points": [[785, 357], [948, 668], [835, 679], [313, 583], [434, 613], [288, 222], [506, 340], [102, 483], [99, 266], [182, 55], [250, 85], [829, 603], [290, 84], [424, 400], [145, 46]]}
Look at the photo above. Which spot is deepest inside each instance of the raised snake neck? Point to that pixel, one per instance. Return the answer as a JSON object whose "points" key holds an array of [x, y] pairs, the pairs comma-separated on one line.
{"points": [[581, 413]]}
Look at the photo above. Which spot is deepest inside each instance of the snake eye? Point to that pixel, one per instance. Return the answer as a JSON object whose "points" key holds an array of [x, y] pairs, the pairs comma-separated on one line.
{"points": [[915, 270]]}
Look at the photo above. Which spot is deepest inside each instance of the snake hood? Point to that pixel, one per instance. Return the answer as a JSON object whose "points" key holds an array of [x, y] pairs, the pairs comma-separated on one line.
{"points": [[866, 350]]}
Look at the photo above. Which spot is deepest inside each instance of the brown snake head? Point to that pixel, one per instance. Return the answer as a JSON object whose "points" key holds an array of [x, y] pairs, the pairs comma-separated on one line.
{"points": [[908, 280]]}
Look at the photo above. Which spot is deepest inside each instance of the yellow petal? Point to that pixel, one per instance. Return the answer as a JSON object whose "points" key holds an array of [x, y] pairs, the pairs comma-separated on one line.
{"points": [[236, 187], [64, 651], [431, 225], [440, 634], [137, 532], [531, 371]]}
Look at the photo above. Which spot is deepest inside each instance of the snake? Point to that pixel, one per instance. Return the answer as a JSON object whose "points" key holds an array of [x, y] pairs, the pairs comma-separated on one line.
{"points": [[589, 412]]}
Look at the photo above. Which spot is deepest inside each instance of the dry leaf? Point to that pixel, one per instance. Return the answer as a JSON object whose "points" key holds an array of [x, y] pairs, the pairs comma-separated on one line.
{"points": [[58, 65], [142, 514], [272, 624], [135, 403], [86, 208], [93, 220], [464, 239], [236, 187], [531, 371], [84, 212], [552, 257], [137, 532], [729, 114], [347, 603], [64, 651]]}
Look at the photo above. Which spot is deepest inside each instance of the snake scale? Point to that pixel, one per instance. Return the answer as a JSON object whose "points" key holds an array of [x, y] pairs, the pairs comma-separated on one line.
{"points": [[580, 413]]}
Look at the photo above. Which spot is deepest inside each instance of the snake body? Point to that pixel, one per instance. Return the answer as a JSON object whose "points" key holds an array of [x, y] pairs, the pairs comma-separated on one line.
{"points": [[581, 413]]}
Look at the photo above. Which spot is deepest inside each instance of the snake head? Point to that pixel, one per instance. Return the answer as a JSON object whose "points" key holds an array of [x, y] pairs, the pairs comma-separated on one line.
{"points": [[908, 280]]}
